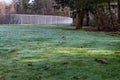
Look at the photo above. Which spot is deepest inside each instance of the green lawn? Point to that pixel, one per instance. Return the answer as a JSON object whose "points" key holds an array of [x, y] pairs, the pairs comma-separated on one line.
{"points": [[56, 52]]}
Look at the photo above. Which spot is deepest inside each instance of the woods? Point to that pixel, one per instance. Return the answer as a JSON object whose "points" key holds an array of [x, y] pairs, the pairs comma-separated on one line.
{"points": [[105, 13]]}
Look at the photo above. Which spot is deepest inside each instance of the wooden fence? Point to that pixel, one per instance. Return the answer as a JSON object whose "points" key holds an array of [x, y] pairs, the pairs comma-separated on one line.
{"points": [[33, 19]]}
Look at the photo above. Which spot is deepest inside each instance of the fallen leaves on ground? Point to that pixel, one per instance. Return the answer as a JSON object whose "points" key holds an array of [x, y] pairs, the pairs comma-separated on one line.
{"points": [[101, 61], [81, 46], [1, 77], [30, 64], [117, 53], [64, 63], [11, 51]]}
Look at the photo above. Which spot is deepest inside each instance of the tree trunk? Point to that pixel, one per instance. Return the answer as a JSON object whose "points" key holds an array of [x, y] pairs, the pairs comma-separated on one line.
{"points": [[80, 19], [111, 17], [118, 11], [74, 21], [87, 18], [97, 15], [98, 21]]}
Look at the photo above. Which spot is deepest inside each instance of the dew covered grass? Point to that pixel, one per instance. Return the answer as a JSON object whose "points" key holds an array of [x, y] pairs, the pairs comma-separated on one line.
{"points": [[56, 52]]}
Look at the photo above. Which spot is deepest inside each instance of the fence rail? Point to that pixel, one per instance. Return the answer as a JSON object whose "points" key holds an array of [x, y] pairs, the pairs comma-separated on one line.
{"points": [[33, 19]]}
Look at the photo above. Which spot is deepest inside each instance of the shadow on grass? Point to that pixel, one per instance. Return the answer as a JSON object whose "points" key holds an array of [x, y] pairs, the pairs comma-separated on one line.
{"points": [[64, 63]]}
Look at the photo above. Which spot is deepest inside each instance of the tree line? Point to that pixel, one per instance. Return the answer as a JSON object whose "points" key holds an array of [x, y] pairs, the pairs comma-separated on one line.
{"points": [[45, 7], [102, 12]]}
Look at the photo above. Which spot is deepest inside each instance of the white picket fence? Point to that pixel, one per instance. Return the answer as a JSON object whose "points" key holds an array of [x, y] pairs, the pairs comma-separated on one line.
{"points": [[34, 19]]}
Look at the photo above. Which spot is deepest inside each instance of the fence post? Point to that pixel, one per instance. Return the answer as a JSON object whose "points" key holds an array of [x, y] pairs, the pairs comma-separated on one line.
{"points": [[20, 19]]}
